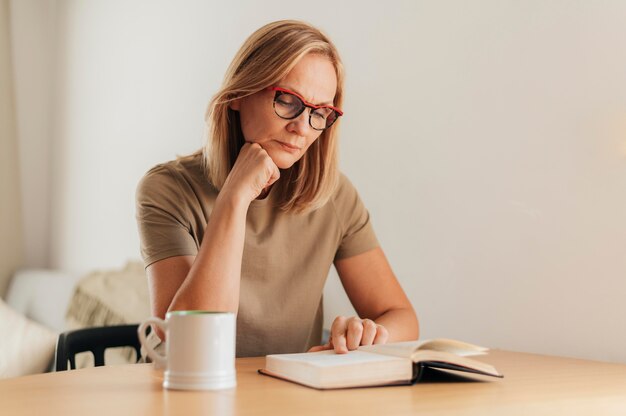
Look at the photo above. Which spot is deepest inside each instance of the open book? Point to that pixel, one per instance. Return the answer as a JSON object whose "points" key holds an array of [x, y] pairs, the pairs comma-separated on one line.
{"points": [[377, 365]]}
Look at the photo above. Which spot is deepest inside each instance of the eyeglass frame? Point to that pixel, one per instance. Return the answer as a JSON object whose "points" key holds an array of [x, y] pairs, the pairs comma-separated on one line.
{"points": [[306, 104]]}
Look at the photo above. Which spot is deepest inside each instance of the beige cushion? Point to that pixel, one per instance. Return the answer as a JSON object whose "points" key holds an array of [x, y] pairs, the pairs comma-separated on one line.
{"points": [[110, 297], [26, 347]]}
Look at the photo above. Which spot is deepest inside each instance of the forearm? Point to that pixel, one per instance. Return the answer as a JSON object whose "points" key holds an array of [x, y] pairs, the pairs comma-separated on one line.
{"points": [[214, 278], [402, 324]]}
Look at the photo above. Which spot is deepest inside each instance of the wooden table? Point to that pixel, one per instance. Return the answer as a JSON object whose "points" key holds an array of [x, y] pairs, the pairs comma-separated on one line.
{"points": [[533, 385]]}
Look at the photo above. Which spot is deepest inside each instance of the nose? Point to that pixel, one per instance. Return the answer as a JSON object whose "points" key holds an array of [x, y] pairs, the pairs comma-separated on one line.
{"points": [[300, 124]]}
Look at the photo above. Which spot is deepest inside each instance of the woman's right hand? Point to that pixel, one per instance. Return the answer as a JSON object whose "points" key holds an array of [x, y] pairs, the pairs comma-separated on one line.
{"points": [[254, 170]]}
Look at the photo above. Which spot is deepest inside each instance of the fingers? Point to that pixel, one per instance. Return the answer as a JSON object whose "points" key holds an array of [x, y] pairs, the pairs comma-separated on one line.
{"points": [[338, 334], [320, 348], [354, 333], [382, 335], [369, 332], [347, 334], [253, 171], [274, 173]]}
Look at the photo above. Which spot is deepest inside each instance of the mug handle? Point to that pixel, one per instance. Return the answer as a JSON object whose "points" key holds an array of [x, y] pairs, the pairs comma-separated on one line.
{"points": [[160, 360]]}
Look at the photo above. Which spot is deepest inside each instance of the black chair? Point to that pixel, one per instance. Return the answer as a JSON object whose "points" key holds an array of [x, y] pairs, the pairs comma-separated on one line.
{"points": [[96, 340]]}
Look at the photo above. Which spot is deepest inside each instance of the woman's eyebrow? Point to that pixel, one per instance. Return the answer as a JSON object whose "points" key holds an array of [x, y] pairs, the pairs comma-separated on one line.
{"points": [[301, 95]]}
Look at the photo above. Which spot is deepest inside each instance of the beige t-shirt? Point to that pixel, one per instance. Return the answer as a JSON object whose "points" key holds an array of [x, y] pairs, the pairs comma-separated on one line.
{"points": [[286, 256]]}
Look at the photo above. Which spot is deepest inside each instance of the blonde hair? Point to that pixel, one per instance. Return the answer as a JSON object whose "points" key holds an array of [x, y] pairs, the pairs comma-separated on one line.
{"points": [[266, 57]]}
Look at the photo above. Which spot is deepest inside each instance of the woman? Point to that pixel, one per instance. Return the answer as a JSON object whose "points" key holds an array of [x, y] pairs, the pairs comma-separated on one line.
{"points": [[252, 223]]}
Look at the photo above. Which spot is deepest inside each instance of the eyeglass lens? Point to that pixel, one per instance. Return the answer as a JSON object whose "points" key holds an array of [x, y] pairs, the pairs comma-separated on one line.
{"points": [[288, 106]]}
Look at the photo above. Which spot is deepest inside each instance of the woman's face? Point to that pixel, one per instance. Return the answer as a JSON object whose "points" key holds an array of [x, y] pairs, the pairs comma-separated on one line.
{"points": [[286, 141]]}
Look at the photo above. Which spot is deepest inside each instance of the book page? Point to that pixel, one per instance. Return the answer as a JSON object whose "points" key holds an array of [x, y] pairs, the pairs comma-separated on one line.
{"points": [[453, 346], [331, 359], [396, 349], [407, 348]]}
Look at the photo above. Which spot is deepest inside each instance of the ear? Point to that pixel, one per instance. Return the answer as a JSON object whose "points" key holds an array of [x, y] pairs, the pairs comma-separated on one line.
{"points": [[235, 105]]}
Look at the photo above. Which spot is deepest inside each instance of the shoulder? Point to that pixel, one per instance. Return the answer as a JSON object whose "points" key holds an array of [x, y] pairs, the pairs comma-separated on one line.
{"points": [[345, 192], [354, 219], [347, 203], [344, 183], [172, 176]]}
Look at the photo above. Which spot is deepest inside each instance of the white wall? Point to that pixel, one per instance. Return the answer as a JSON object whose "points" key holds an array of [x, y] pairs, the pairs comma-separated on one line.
{"points": [[488, 140], [10, 213], [33, 33]]}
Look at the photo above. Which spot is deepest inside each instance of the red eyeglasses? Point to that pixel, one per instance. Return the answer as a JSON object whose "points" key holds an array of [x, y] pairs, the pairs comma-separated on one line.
{"points": [[289, 105]]}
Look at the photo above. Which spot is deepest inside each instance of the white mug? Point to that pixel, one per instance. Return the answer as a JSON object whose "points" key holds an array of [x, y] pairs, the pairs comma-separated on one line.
{"points": [[199, 352]]}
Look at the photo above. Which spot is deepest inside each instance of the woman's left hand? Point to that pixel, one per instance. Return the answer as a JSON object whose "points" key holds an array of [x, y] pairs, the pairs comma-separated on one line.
{"points": [[348, 333]]}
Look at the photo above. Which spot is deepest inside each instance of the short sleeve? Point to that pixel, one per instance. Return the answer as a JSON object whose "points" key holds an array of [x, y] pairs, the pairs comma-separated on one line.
{"points": [[162, 217], [357, 232]]}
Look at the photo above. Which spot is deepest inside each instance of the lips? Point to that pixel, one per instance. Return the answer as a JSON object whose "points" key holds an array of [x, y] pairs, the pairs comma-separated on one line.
{"points": [[289, 146], [292, 146]]}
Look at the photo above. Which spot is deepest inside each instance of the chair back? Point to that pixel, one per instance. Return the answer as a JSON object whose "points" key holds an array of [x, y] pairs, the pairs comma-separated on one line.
{"points": [[96, 340]]}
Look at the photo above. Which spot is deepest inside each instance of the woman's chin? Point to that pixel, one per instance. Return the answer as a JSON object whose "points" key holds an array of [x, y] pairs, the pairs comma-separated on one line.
{"points": [[282, 160]]}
